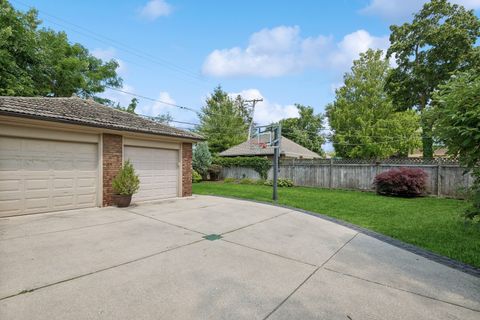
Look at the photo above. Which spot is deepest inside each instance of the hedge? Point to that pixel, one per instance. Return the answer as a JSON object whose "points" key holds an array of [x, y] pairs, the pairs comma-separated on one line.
{"points": [[259, 164]]}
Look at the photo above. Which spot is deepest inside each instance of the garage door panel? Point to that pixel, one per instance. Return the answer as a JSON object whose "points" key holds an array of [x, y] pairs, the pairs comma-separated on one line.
{"points": [[158, 172], [33, 204], [9, 185], [10, 207], [43, 175], [37, 184]]}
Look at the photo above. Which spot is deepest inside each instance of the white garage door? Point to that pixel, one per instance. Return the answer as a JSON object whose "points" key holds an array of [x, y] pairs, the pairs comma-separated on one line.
{"points": [[43, 175], [158, 172]]}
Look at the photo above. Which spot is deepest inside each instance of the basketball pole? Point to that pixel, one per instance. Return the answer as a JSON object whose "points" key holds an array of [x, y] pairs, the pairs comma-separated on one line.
{"points": [[277, 134]]}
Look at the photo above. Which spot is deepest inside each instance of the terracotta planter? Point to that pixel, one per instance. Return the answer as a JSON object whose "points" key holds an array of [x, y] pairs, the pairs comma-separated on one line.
{"points": [[121, 200]]}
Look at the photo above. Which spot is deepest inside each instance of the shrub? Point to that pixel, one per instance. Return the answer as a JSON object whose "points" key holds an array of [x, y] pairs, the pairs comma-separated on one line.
{"points": [[259, 164], [247, 181], [126, 182], [196, 177], [260, 182], [402, 182], [228, 180], [201, 159], [473, 212], [281, 183]]}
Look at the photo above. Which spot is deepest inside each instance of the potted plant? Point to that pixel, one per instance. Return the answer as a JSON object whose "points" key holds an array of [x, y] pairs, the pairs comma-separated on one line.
{"points": [[125, 184]]}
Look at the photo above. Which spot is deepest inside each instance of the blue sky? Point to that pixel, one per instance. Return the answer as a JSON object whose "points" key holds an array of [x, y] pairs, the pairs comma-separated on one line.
{"points": [[178, 50]]}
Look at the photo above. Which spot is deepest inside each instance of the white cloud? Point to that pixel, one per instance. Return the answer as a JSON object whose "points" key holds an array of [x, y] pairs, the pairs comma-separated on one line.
{"points": [[266, 111], [282, 50], [155, 9], [270, 53], [352, 45], [156, 108], [108, 54], [401, 10]]}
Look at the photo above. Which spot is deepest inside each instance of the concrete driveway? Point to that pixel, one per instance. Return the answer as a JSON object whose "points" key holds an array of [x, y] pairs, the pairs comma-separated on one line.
{"points": [[152, 261]]}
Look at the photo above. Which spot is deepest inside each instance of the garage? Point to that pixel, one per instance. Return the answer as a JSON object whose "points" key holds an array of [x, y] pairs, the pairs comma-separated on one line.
{"points": [[158, 170], [38, 175], [59, 153]]}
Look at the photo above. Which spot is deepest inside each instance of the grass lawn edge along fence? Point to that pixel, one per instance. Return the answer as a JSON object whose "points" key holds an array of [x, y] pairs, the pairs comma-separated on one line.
{"points": [[434, 224]]}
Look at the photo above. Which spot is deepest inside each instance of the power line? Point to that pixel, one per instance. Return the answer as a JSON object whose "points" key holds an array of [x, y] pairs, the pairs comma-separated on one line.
{"points": [[152, 99], [119, 45]]}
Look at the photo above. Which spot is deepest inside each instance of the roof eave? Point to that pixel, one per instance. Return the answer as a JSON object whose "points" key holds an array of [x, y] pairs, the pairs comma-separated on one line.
{"points": [[93, 125]]}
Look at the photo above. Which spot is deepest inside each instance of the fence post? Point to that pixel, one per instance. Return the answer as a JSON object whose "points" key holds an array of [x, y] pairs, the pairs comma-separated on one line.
{"points": [[330, 178], [439, 167]]}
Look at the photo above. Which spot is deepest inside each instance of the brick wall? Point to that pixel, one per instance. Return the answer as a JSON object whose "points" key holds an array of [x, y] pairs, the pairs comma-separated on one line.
{"points": [[186, 169], [112, 162]]}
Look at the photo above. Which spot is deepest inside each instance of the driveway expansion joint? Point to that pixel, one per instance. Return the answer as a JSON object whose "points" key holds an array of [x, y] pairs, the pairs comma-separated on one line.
{"points": [[292, 293], [99, 270], [70, 229], [165, 222], [399, 289], [451, 263], [268, 252], [255, 223]]}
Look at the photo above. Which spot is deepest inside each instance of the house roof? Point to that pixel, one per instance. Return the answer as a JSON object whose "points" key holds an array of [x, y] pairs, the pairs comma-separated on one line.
{"points": [[288, 148], [88, 113]]}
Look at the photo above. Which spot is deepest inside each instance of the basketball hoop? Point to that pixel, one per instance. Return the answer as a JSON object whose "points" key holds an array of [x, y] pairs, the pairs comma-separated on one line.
{"points": [[259, 145], [271, 136]]}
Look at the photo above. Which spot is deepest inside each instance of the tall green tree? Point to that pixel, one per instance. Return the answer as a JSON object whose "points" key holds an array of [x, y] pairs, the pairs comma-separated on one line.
{"points": [[36, 61], [457, 124], [440, 40], [306, 130], [362, 117], [130, 108], [223, 121]]}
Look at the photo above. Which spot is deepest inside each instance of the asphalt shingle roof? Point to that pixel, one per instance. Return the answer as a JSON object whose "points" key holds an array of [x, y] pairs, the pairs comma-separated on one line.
{"points": [[88, 113], [252, 148]]}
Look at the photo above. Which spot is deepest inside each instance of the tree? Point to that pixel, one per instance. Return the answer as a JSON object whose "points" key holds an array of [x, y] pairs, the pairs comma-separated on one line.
{"points": [[164, 118], [42, 62], [130, 108], [439, 41], [305, 130], [457, 124], [362, 117], [223, 121], [202, 159]]}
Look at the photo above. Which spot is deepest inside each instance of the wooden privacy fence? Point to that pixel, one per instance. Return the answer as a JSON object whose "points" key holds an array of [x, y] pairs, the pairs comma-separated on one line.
{"points": [[445, 177]]}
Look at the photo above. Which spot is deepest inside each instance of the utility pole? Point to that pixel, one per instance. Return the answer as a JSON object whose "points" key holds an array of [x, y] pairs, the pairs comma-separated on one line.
{"points": [[253, 101]]}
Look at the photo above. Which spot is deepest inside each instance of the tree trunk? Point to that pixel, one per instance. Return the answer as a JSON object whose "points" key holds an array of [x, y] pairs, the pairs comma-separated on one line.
{"points": [[427, 140]]}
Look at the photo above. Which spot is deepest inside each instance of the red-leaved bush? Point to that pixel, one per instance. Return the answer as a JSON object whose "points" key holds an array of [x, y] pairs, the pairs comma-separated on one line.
{"points": [[402, 182]]}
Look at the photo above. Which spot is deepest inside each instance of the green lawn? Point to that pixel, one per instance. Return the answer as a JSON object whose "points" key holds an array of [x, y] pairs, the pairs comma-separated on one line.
{"points": [[430, 223]]}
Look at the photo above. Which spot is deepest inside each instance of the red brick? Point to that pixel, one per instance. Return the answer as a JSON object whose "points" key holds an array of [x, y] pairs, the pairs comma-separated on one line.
{"points": [[186, 169], [112, 162]]}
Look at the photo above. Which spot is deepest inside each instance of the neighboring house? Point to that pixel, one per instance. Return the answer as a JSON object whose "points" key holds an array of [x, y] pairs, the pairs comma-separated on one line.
{"points": [[62, 153], [254, 147], [438, 153]]}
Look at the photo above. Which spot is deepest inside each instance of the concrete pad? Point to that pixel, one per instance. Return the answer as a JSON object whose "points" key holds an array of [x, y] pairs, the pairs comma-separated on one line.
{"points": [[174, 205], [332, 296], [374, 260], [295, 235], [219, 218], [29, 225], [206, 280], [28, 263]]}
